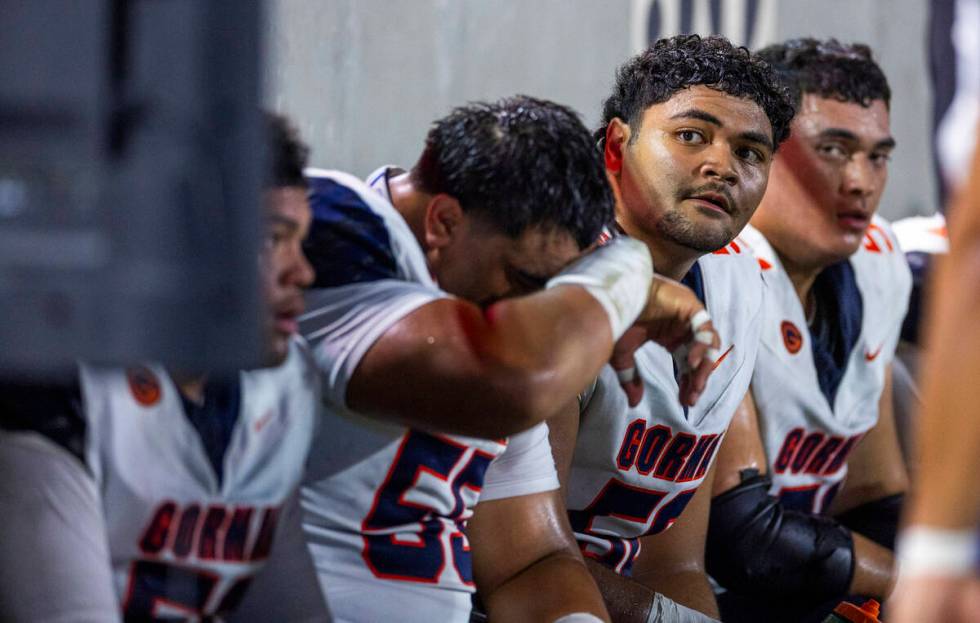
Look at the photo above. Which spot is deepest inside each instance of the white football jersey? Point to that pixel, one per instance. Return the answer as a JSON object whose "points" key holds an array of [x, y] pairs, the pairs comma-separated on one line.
{"points": [[814, 405], [922, 234], [386, 506], [634, 470], [186, 538]]}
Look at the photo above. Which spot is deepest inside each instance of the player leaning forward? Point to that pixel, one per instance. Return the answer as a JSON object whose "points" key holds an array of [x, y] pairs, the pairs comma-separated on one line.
{"points": [[436, 321], [810, 477], [688, 135], [147, 493]]}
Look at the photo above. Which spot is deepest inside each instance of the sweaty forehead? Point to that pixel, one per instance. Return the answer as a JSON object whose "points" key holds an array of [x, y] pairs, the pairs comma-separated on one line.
{"points": [[818, 114], [738, 114]]}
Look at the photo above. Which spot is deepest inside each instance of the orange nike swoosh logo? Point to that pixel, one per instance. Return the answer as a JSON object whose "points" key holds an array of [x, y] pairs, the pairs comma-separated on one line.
{"points": [[871, 356], [722, 358]]}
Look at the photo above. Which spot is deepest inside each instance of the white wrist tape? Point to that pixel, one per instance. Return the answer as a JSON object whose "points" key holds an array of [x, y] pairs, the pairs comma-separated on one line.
{"points": [[699, 319], [663, 610], [579, 617], [924, 551], [617, 275]]}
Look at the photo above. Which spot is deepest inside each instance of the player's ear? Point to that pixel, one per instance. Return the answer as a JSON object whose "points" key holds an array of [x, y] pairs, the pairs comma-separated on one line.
{"points": [[617, 136], [443, 218]]}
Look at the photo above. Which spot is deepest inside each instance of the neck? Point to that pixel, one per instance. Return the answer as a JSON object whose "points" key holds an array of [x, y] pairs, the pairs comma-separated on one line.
{"points": [[191, 386], [802, 276], [669, 259], [410, 202]]}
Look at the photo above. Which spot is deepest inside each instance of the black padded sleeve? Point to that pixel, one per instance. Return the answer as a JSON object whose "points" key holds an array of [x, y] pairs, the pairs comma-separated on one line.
{"points": [[755, 546], [877, 520]]}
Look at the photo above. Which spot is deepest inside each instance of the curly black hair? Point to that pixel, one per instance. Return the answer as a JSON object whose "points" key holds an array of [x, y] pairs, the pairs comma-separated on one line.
{"points": [[519, 162], [829, 69], [676, 63], [287, 154]]}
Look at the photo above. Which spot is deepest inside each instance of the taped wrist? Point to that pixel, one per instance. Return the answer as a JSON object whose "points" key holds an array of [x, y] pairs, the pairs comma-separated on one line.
{"points": [[877, 520], [617, 275], [756, 546], [664, 610]]}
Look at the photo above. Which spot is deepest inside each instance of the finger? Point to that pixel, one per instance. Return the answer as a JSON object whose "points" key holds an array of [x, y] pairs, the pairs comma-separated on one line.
{"points": [[634, 391], [699, 318], [705, 344], [699, 376], [630, 381]]}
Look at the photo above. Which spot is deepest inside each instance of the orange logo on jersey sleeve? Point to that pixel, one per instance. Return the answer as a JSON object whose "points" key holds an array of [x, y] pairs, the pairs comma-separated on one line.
{"points": [[792, 337], [144, 385]]}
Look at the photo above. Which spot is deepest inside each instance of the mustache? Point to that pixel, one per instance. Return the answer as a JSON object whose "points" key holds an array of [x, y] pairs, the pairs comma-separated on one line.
{"points": [[718, 189]]}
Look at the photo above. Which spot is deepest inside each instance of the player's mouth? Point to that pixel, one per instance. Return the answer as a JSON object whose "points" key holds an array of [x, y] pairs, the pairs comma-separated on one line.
{"points": [[853, 220], [719, 202], [286, 319]]}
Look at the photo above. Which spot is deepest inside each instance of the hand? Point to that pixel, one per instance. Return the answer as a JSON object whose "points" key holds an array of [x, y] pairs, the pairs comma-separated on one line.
{"points": [[935, 600], [675, 319]]}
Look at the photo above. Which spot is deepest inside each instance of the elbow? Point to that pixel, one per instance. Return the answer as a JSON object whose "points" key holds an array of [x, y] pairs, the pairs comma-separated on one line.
{"points": [[532, 398], [755, 546]]}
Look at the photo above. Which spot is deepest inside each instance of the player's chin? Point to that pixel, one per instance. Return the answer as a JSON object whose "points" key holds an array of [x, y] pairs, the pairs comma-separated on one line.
{"points": [[276, 349]]}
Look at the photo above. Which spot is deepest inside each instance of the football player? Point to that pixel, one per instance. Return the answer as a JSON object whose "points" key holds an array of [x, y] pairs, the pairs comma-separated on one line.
{"points": [[436, 320], [688, 135], [810, 477], [149, 493]]}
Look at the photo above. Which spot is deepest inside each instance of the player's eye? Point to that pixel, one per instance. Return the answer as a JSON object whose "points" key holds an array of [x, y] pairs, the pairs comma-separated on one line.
{"points": [[880, 158], [273, 239], [751, 155], [691, 137], [834, 151]]}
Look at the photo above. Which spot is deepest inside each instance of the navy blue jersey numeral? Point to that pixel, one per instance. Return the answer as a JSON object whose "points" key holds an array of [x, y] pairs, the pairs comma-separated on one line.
{"points": [[629, 503], [155, 585], [420, 555]]}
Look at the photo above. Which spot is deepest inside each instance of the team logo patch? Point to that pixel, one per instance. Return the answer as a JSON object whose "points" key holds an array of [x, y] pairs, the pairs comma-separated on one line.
{"points": [[144, 385], [792, 337]]}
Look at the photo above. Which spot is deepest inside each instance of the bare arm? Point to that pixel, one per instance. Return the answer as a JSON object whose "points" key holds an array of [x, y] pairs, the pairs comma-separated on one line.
{"points": [[946, 488], [672, 562], [628, 600], [447, 365], [526, 564]]}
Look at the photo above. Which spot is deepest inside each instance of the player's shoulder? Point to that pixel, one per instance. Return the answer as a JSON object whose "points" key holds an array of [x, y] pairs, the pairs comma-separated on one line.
{"points": [[880, 257], [759, 249], [735, 270], [356, 234], [922, 234]]}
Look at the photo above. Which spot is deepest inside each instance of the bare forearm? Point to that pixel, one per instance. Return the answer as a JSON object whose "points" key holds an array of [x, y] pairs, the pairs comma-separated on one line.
{"points": [[689, 588], [874, 568], [628, 601], [453, 368], [950, 428], [547, 590]]}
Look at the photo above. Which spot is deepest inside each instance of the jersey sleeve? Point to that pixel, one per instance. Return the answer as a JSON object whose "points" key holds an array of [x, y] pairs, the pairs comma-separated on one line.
{"points": [[525, 467], [54, 551], [343, 323], [901, 294], [370, 273]]}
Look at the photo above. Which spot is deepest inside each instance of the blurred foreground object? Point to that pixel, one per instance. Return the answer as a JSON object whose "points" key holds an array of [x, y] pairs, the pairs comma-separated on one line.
{"points": [[130, 173]]}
